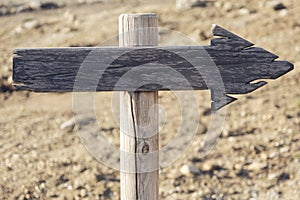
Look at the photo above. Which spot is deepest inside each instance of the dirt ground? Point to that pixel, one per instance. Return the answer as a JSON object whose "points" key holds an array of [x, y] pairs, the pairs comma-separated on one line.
{"points": [[256, 157]]}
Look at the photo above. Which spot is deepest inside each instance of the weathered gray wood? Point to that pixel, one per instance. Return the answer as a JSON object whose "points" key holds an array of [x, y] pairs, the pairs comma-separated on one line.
{"points": [[238, 63], [139, 138]]}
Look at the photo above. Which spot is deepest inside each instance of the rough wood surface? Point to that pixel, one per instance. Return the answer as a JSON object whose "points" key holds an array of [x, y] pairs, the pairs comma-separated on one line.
{"points": [[139, 139], [100, 69]]}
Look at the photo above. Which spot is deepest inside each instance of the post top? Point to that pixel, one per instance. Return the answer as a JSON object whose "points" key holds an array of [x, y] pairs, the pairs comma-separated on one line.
{"points": [[149, 15]]}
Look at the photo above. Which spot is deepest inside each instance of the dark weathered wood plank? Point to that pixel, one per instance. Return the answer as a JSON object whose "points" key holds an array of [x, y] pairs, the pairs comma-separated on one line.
{"points": [[229, 59]]}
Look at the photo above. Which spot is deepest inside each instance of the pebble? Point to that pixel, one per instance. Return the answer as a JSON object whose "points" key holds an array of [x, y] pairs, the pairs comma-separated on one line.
{"points": [[284, 149], [238, 166], [227, 6], [276, 5], [49, 5], [283, 13], [34, 4], [189, 169], [272, 155], [256, 166], [243, 114], [37, 189], [83, 193], [42, 185], [272, 176], [244, 11], [193, 169], [254, 194], [279, 6], [207, 166], [225, 132], [18, 30], [68, 124], [283, 177], [32, 24], [21, 197], [4, 10], [184, 170], [186, 4], [15, 156], [263, 156]]}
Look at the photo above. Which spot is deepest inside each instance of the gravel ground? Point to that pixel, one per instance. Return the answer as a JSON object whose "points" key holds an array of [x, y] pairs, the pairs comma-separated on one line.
{"points": [[256, 157]]}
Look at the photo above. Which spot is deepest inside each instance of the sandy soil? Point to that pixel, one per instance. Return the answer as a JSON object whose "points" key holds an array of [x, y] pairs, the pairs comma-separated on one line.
{"points": [[256, 157]]}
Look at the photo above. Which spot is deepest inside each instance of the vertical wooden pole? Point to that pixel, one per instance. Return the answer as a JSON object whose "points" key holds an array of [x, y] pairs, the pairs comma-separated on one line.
{"points": [[139, 164]]}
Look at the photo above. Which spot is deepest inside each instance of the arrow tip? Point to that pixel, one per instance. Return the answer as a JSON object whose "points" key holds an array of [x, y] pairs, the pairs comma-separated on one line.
{"points": [[228, 39]]}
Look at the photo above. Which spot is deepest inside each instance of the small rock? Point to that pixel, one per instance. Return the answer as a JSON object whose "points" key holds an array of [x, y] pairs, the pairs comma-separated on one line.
{"points": [[27, 196], [49, 5], [42, 185], [186, 4], [225, 132], [272, 155], [272, 176], [263, 156], [189, 169], [284, 149], [185, 170], [4, 10], [256, 166], [67, 30], [244, 11], [21, 8], [201, 3], [78, 184], [243, 114], [238, 166], [279, 6], [21, 197], [227, 7], [193, 169], [283, 13], [254, 194], [32, 24], [15, 156], [83, 193], [207, 166], [18, 30], [283, 177], [34, 4], [37, 189], [68, 124]]}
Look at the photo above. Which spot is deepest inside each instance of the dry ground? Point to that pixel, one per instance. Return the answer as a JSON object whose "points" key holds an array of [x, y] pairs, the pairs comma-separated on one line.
{"points": [[256, 157]]}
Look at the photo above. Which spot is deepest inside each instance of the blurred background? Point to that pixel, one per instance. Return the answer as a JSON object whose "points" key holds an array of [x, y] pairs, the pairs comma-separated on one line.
{"points": [[257, 155]]}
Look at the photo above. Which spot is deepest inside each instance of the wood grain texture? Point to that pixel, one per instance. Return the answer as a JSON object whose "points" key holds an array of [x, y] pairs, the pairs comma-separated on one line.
{"points": [[139, 138], [237, 61]]}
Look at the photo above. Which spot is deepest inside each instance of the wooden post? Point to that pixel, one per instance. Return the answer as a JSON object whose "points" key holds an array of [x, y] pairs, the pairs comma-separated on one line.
{"points": [[139, 145]]}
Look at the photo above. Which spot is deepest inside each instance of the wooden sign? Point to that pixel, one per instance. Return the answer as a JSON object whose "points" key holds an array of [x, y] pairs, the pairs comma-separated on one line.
{"points": [[238, 63]]}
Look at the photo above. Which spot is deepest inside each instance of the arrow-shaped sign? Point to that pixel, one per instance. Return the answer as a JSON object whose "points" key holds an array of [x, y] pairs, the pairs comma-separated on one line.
{"points": [[228, 66]]}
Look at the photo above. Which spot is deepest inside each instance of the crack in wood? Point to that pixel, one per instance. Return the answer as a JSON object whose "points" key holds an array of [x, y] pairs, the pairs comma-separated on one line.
{"points": [[134, 125]]}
